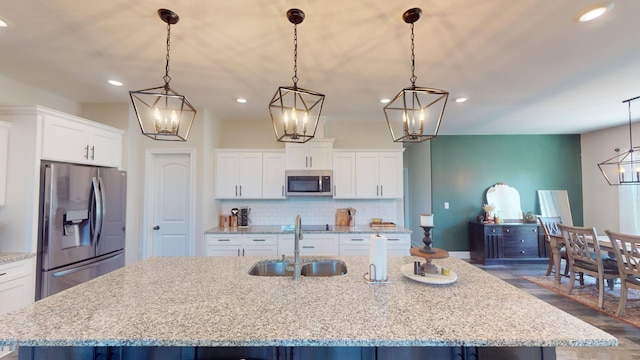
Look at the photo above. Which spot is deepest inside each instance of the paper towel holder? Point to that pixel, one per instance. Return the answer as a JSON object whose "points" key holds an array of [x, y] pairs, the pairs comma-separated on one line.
{"points": [[371, 275]]}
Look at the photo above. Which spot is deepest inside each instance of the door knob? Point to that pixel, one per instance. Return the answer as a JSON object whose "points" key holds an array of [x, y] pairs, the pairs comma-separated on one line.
{"points": [[156, 227]]}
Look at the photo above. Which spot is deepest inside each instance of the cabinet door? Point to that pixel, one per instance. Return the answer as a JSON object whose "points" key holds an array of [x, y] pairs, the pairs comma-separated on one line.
{"points": [[65, 140], [105, 147], [390, 174], [296, 156], [273, 175], [398, 244], [354, 245], [4, 156], [250, 175], [227, 168], [15, 294], [344, 175], [367, 185], [320, 155]]}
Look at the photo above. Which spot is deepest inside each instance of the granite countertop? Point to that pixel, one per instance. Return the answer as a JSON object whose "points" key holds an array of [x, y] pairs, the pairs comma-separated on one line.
{"points": [[277, 229], [9, 257], [213, 301]]}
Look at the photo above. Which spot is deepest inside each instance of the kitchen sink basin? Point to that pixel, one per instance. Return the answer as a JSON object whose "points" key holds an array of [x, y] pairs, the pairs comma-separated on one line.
{"points": [[307, 268], [324, 268], [271, 268]]}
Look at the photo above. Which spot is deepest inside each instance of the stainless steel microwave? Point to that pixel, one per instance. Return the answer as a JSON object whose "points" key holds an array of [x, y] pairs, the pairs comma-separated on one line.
{"points": [[308, 182]]}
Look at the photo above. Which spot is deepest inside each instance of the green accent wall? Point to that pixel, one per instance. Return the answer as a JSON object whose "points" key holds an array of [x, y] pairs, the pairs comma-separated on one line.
{"points": [[463, 167]]}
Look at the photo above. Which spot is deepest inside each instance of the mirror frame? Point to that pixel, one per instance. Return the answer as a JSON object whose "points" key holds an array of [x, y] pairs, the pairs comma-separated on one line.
{"points": [[500, 195]]}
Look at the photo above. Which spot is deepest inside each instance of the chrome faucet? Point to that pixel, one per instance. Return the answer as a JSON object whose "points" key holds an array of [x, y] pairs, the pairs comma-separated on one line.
{"points": [[297, 235]]}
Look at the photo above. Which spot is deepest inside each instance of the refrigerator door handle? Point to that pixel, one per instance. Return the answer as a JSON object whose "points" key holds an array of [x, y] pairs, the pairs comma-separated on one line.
{"points": [[96, 221], [83, 267]]}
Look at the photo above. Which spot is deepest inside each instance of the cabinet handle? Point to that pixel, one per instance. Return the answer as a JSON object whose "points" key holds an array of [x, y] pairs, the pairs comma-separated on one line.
{"points": [[334, 190], [86, 152], [381, 190], [93, 153], [493, 230], [236, 190], [308, 247], [377, 190], [240, 190], [259, 240], [238, 251], [522, 252], [306, 161], [391, 239], [224, 239], [4, 273], [521, 240], [242, 252], [506, 230], [357, 239]]}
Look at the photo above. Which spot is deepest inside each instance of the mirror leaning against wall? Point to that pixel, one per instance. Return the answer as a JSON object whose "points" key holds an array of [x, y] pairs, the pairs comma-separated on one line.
{"points": [[506, 200]]}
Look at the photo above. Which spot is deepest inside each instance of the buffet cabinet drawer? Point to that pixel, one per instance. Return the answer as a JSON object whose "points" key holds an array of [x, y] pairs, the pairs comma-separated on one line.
{"points": [[505, 243]]}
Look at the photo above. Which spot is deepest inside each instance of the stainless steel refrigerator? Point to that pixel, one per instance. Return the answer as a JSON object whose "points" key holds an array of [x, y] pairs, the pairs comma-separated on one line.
{"points": [[81, 232]]}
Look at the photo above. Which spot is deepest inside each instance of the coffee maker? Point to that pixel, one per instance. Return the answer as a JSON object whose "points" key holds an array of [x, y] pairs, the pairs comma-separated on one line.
{"points": [[243, 216]]}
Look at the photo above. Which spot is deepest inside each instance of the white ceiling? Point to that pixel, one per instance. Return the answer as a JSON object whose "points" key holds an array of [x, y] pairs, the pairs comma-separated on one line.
{"points": [[527, 66]]}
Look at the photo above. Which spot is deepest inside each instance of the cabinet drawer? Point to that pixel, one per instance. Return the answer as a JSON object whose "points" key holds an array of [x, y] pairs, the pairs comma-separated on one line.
{"points": [[15, 270], [223, 239], [520, 231], [521, 251], [311, 244], [260, 240]]}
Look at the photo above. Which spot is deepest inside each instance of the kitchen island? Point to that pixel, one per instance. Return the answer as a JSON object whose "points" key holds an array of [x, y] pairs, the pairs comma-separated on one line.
{"points": [[210, 307]]}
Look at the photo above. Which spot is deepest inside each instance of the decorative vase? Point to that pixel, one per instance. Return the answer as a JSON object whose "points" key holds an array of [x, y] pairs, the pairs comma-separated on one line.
{"points": [[489, 216]]}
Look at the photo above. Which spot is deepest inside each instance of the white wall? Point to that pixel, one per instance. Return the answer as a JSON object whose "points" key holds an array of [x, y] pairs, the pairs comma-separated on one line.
{"points": [[600, 200], [16, 93]]}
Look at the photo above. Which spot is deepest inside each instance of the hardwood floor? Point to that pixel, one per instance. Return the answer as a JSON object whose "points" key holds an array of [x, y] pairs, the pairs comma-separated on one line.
{"points": [[628, 335]]}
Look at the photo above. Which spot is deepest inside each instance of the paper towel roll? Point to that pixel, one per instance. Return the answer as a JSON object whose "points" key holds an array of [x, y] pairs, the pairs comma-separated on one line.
{"points": [[377, 257]]}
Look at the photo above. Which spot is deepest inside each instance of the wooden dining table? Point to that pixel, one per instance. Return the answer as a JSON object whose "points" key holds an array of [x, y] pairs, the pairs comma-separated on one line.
{"points": [[557, 242]]}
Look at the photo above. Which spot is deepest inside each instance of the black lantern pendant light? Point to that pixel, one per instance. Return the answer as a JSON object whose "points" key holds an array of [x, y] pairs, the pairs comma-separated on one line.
{"points": [[623, 169], [414, 115], [295, 112], [164, 114]]}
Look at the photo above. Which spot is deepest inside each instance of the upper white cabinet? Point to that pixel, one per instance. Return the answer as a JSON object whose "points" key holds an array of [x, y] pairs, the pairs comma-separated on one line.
{"points": [[273, 181], [238, 174], [379, 174], [314, 154], [70, 139], [4, 157], [344, 174]]}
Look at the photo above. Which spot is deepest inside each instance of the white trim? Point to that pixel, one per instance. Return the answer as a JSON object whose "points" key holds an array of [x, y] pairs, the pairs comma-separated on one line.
{"points": [[147, 233]]}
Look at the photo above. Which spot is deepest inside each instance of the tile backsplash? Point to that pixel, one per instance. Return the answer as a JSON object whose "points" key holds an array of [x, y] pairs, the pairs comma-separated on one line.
{"points": [[316, 211]]}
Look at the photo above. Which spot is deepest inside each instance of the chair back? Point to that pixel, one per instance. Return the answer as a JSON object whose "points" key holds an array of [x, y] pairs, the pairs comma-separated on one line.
{"points": [[581, 244], [627, 250], [549, 226]]}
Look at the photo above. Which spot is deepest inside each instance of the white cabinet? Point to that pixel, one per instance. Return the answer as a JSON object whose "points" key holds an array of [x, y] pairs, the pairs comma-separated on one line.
{"points": [[241, 245], [379, 174], [357, 244], [238, 174], [16, 288], [273, 180], [310, 244], [70, 139], [344, 175], [4, 158], [314, 154]]}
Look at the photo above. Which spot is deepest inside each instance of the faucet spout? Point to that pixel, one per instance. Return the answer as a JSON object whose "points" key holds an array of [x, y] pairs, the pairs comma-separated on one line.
{"points": [[297, 235]]}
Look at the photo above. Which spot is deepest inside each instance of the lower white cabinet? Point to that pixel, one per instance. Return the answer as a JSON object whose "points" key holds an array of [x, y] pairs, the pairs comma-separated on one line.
{"points": [[17, 288], [241, 245], [358, 244], [310, 244]]}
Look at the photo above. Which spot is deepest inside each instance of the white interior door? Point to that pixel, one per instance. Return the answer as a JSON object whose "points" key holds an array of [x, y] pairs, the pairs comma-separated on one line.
{"points": [[170, 202]]}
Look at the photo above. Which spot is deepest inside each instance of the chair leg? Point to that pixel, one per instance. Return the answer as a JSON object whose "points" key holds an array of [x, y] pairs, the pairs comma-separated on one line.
{"points": [[566, 268], [623, 299], [571, 280], [582, 279], [550, 266], [601, 293]]}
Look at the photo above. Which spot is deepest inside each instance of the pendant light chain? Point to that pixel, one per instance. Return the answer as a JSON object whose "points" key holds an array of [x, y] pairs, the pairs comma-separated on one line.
{"points": [[413, 60], [166, 76], [295, 56], [630, 132]]}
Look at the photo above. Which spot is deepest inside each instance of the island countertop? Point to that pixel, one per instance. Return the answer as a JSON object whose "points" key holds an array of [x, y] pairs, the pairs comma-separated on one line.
{"points": [[213, 301]]}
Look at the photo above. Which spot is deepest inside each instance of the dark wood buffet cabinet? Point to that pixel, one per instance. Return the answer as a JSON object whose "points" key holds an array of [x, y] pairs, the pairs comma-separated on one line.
{"points": [[506, 243]]}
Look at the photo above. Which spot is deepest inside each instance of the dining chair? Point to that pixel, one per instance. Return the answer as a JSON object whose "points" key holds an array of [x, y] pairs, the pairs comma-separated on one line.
{"points": [[584, 255], [627, 250], [550, 228]]}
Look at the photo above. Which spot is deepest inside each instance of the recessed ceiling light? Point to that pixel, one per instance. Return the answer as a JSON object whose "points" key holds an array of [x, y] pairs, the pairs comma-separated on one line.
{"points": [[461, 99], [241, 100], [115, 82], [594, 12], [3, 23], [385, 101]]}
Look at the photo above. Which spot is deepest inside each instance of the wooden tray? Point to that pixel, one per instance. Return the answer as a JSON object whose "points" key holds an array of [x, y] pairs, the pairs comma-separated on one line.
{"points": [[383, 225]]}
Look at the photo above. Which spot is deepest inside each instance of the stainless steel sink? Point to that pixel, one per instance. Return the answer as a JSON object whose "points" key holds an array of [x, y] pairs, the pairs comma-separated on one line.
{"points": [[307, 268], [271, 268], [324, 268]]}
